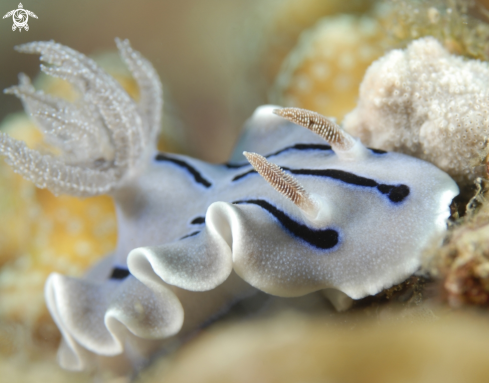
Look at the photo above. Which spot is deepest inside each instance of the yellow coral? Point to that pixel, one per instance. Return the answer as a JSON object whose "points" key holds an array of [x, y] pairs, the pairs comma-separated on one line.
{"points": [[452, 22], [270, 35], [287, 19], [324, 70]]}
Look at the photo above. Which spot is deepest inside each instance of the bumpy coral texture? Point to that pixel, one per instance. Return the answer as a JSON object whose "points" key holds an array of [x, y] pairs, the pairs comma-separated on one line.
{"points": [[462, 263], [427, 103], [324, 70], [460, 25], [275, 30]]}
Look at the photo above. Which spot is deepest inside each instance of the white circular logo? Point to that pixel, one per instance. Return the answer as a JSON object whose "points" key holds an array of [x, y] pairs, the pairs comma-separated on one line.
{"points": [[20, 17]]}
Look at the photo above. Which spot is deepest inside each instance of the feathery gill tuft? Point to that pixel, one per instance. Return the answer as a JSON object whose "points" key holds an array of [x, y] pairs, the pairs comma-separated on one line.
{"points": [[104, 137]]}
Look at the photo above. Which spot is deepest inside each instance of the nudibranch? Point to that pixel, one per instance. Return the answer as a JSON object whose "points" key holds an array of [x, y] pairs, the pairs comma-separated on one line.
{"points": [[300, 210]]}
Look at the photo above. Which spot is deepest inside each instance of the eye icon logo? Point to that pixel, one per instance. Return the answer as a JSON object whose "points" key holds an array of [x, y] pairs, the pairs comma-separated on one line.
{"points": [[20, 17]]}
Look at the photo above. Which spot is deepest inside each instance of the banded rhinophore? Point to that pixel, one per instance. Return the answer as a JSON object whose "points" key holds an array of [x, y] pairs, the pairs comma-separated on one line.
{"points": [[294, 211]]}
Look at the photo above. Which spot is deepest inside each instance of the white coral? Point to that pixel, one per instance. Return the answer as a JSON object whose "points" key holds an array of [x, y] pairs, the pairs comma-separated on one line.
{"points": [[105, 137], [425, 102]]}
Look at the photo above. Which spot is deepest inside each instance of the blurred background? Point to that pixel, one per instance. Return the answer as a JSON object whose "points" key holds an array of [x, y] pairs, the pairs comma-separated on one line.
{"points": [[218, 60]]}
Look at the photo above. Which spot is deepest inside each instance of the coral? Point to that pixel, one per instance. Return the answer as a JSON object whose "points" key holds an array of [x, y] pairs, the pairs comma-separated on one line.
{"points": [[18, 371], [26, 360], [462, 263], [324, 70], [297, 348], [68, 235], [427, 103], [460, 25], [287, 19]]}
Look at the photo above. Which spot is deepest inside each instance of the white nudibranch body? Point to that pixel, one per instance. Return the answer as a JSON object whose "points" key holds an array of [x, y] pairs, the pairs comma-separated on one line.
{"points": [[303, 215]]}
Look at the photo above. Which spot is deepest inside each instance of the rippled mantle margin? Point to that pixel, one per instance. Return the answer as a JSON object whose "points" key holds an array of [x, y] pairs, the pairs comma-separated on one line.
{"points": [[105, 137]]}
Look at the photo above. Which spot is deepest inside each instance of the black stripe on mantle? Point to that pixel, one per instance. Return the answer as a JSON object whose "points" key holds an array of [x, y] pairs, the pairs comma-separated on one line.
{"points": [[296, 147], [190, 235], [198, 220], [323, 239], [396, 193], [286, 149], [119, 273], [194, 172]]}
